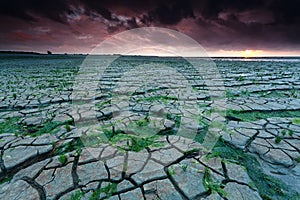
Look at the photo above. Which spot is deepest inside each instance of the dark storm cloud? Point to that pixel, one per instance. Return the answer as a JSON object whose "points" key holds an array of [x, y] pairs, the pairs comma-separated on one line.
{"points": [[218, 23], [286, 12], [26, 9], [98, 7], [170, 12], [164, 12], [211, 8]]}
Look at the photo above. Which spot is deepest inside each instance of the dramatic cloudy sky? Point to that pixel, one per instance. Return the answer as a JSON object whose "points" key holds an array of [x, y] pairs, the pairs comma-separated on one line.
{"points": [[222, 27]]}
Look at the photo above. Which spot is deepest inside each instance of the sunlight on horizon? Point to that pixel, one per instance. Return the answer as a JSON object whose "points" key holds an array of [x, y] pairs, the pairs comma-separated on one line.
{"points": [[251, 53], [247, 53]]}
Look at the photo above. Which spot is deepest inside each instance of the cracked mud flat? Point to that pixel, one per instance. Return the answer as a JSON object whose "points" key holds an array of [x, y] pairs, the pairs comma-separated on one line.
{"points": [[45, 155]]}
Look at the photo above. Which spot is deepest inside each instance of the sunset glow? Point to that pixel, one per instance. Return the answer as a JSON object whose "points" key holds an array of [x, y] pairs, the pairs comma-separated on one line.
{"points": [[251, 29], [251, 53]]}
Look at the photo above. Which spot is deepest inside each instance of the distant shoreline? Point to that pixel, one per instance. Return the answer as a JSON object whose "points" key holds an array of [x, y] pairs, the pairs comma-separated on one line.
{"points": [[20, 52], [80, 54]]}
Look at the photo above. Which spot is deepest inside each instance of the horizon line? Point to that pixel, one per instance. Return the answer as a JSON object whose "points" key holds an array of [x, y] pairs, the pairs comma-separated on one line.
{"points": [[141, 55]]}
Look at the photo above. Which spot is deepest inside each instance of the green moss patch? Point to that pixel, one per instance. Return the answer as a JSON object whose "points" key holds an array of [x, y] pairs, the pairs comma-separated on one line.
{"points": [[164, 99], [77, 195], [12, 125], [268, 186], [74, 145], [129, 142], [296, 121], [289, 93], [257, 115], [108, 191], [212, 185]]}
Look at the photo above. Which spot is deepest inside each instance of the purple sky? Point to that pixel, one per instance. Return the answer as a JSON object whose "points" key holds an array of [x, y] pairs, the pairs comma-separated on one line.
{"points": [[222, 27]]}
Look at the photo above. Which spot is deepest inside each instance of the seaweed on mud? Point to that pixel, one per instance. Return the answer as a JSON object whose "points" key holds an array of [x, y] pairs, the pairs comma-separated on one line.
{"points": [[129, 142], [257, 115], [13, 125], [267, 186], [296, 121], [62, 159], [108, 191], [77, 195], [74, 145], [164, 99], [213, 186]]}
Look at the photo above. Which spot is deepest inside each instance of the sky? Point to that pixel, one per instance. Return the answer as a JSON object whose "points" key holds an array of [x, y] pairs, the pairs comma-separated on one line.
{"points": [[222, 27]]}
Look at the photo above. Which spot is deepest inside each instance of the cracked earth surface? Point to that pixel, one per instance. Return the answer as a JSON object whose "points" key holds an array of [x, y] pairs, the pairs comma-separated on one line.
{"points": [[44, 154]]}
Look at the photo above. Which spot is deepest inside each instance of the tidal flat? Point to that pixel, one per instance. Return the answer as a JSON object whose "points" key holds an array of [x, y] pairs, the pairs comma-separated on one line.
{"points": [[124, 127]]}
